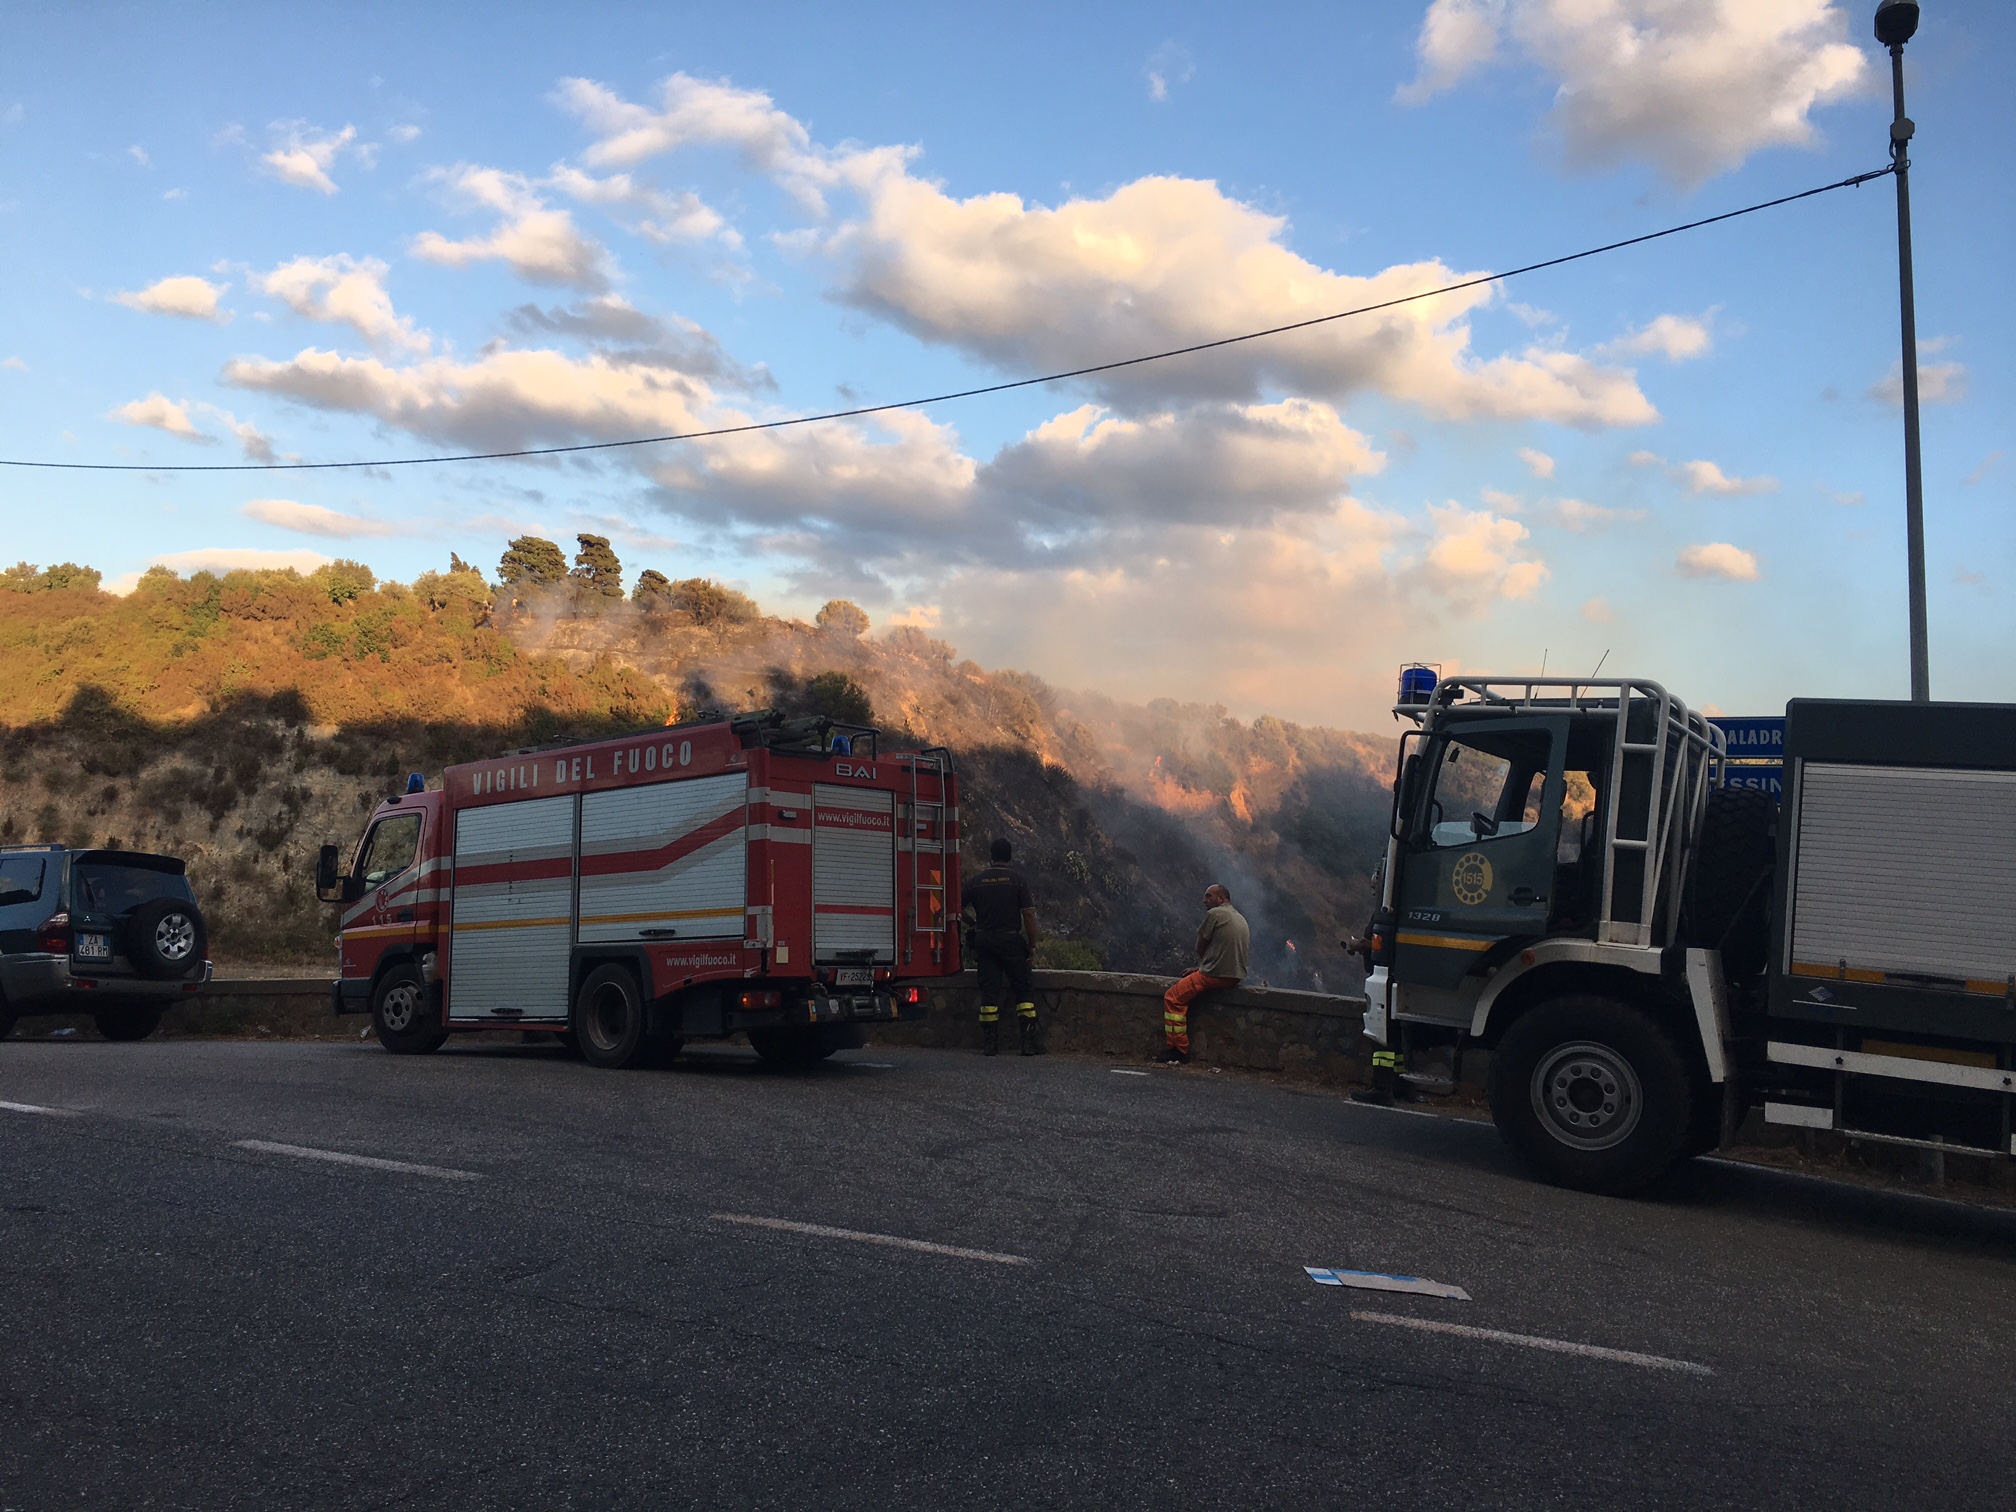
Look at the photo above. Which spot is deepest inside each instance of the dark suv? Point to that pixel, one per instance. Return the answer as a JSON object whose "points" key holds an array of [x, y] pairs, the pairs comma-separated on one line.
{"points": [[115, 934]]}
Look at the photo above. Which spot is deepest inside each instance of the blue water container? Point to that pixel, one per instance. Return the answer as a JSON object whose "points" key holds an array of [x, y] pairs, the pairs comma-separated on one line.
{"points": [[1417, 684]]}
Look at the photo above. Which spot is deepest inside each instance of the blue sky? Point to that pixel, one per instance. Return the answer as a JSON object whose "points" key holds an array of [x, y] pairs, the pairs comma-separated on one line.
{"points": [[369, 231]]}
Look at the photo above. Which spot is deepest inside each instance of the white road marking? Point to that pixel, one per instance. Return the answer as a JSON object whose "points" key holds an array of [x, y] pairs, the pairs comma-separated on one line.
{"points": [[1118, 1072], [13, 1107], [1534, 1341], [370, 1162], [822, 1231], [1410, 1112], [872, 1065]]}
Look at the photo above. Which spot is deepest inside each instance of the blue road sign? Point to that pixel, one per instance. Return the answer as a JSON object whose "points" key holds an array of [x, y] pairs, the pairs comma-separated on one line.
{"points": [[1752, 736], [1765, 776]]}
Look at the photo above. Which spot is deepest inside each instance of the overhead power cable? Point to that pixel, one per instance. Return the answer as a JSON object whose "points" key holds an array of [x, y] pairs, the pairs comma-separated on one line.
{"points": [[970, 393]]}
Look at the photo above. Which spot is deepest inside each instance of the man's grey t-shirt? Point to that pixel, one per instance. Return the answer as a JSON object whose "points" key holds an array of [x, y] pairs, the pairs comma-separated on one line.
{"points": [[1226, 940]]}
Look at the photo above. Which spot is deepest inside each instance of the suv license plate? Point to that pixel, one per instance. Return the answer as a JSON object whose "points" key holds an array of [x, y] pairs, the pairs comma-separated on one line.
{"points": [[92, 947], [854, 976]]}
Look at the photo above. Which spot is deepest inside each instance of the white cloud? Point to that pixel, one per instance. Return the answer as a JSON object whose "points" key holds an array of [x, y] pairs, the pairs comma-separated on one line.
{"points": [[1693, 87], [1598, 611], [223, 559], [1938, 383], [1646, 459], [1986, 466], [315, 520], [1166, 262], [163, 414], [403, 134], [539, 244], [675, 219], [178, 419], [15, 364], [1158, 263], [304, 154], [1677, 338], [1474, 556], [175, 194], [1168, 65], [1717, 559], [1230, 465], [1457, 37], [1704, 477], [1537, 462], [1502, 502], [139, 155], [188, 296], [1582, 518], [347, 290]]}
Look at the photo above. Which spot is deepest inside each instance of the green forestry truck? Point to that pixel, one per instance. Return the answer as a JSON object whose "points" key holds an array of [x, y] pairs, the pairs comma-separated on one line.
{"points": [[1652, 941]]}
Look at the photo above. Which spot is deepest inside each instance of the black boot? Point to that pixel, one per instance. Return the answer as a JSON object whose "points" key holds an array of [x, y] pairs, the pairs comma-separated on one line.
{"points": [[1030, 1045], [990, 1038]]}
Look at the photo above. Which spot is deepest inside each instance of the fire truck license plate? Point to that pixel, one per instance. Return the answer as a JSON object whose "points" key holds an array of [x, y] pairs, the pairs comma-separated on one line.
{"points": [[94, 947], [854, 976]]}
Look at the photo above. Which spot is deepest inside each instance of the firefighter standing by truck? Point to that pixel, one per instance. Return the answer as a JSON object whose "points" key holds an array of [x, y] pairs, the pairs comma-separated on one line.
{"points": [[1002, 914]]}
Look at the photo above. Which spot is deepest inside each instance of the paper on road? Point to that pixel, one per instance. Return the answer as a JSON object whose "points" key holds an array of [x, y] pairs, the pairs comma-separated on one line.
{"points": [[1376, 1281]]}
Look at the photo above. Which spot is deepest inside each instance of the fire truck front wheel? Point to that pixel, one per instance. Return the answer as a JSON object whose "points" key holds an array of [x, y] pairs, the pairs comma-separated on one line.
{"points": [[610, 1023], [1593, 1093], [403, 1013]]}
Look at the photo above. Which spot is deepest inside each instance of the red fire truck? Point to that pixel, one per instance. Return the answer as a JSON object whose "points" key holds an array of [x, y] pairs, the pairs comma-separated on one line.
{"points": [[783, 878]]}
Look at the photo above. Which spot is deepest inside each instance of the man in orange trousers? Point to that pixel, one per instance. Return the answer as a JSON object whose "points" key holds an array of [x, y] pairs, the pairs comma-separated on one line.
{"points": [[1223, 941]]}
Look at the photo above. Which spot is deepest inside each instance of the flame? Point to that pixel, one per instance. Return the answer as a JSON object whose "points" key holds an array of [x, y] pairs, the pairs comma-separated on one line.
{"points": [[672, 718], [1291, 947]]}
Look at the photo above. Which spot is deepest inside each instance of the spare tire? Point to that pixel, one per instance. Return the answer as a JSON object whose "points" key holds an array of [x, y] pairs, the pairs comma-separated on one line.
{"points": [[166, 938], [1728, 899]]}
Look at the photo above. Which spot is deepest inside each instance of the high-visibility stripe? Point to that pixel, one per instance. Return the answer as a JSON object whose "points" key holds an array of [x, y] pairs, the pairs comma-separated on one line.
{"points": [[646, 918], [461, 928], [1839, 973], [1447, 942]]}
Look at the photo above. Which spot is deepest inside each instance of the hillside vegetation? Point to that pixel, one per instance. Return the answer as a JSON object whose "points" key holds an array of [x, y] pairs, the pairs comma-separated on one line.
{"points": [[241, 719]]}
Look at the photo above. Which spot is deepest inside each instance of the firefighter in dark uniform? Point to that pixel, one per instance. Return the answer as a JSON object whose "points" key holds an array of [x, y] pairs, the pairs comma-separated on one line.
{"points": [[1002, 915]]}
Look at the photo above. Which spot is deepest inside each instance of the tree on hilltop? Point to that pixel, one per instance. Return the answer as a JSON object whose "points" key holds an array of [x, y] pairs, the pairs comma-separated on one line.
{"points": [[343, 580], [653, 591], [26, 577], [532, 562], [597, 568], [842, 617], [712, 604]]}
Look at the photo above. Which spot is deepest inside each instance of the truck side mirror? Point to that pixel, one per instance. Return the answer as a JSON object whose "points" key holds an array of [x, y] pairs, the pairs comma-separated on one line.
{"points": [[325, 874]]}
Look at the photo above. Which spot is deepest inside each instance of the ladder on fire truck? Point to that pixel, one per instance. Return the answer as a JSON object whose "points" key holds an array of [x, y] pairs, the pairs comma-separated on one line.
{"points": [[930, 907]]}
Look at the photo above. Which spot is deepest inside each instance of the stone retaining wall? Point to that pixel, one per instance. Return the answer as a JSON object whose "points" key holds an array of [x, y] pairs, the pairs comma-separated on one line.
{"points": [[1310, 1034], [1088, 1012]]}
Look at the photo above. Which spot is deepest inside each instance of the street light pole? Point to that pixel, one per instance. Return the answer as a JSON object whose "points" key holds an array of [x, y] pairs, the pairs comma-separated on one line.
{"points": [[1896, 21]]}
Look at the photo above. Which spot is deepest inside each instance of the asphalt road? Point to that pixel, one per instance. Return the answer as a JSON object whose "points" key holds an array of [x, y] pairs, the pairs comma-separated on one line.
{"points": [[564, 1309]]}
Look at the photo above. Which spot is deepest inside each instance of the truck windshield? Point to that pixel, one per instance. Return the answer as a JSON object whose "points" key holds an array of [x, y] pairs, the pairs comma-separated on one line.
{"points": [[110, 887], [1488, 786], [390, 849]]}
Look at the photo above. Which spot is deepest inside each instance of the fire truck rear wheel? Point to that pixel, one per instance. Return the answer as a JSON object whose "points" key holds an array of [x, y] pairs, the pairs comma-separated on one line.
{"points": [[610, 1021], [403, 1013], [1593, 1093]]}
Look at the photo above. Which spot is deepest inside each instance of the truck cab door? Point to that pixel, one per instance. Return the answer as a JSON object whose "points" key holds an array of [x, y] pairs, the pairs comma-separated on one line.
{"points": [[1478, 856], [386, 915]]}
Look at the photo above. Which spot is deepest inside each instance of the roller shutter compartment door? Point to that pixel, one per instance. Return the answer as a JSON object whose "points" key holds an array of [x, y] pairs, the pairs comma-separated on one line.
{"points": [[665, 862], [1906, 869], [514, 902], [853, 876]]}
